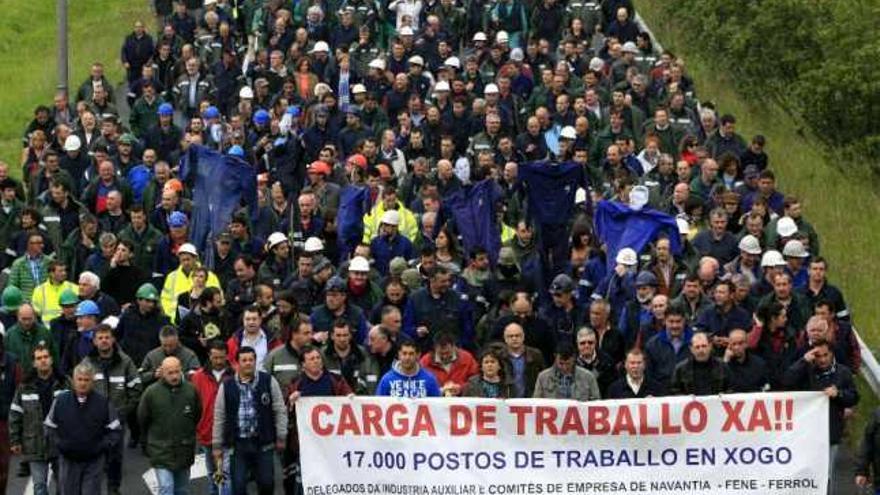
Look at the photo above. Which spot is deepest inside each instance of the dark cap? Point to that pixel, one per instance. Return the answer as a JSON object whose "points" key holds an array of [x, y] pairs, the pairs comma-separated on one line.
{"points": [[335, 284], [562, 284]]}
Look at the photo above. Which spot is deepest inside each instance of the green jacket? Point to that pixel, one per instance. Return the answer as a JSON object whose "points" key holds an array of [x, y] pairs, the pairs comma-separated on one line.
{"points": [[144, 115], [20, 343], [117, 379], [189, 362], [20, 275], [144, 245], [26, 420], [169, 415], [52, 221]]}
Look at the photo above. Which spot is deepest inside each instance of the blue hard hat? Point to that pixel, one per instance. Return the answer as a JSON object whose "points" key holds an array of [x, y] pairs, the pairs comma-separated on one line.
{"points": [[166, 109], [211, 113], [177, 220], [87, 308], [294, 111], [261, 117], [236, 150]]}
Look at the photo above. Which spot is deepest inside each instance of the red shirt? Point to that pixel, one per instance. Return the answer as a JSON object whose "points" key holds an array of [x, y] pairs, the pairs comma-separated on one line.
{"points": [[206, 387], [458, 372]]}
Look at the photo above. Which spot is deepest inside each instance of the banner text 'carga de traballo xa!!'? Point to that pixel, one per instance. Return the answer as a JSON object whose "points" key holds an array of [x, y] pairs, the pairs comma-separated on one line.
{"points": [[728, 444]]}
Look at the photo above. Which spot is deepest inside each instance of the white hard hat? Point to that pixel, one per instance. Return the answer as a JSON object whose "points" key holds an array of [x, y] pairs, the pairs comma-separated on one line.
{"points": [[406, 31], [441, 86], [638, 197], [795, 249], [320, 46], [580, 196], [490, 89], [630, 47], [246, 92], [750, 244], [359, 264], [517, 54], [627, 256], [568, 132], [452, 62], [72, 143], [480, 36], [210, 2], [358, 88], [391, 217], [417, 60], [313, 245], [276, 238], [502, 37], [786, 227], [596, 64], [187, 248], [772, 258], [683, 226], [377, 63]]}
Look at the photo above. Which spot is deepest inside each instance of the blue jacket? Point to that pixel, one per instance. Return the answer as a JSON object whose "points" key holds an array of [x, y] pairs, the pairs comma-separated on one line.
{"points": [[662, 357], [716, 323], [384, 249], [397, 384], [450, 312]]}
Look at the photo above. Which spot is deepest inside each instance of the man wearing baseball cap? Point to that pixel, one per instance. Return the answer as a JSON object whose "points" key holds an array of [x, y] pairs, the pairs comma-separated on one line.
{"points": [[335, 307], [562, 315]]}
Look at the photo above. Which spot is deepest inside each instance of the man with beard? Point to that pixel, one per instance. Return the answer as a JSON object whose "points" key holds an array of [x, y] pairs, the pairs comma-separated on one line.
{"points": [[207, 321]]}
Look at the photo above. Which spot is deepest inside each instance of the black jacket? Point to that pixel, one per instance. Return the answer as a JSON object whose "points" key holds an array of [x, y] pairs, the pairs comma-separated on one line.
{"points": [[805, 377], [868, 456], [139, 334], [620, 389], [689, 377], [750, 375]]}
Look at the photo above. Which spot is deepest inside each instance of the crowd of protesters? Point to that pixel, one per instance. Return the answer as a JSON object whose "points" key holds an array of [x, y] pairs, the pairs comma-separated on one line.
{"points": [[116, 323]]}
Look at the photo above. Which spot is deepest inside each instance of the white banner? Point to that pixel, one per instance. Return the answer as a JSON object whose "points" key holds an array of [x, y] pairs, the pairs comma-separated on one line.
{"points": [[729, 444]]}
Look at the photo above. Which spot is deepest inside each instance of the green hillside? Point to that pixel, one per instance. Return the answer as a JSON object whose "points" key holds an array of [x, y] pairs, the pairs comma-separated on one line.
{"points": [[27, 56], [840, 205]]}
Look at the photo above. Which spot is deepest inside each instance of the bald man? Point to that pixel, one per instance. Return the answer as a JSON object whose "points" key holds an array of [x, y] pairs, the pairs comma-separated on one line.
{"points": [[168, 414]]}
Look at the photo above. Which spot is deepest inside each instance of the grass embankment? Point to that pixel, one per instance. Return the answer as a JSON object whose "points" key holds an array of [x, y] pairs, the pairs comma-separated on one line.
{"points": [[840, 199], [28, 76]]}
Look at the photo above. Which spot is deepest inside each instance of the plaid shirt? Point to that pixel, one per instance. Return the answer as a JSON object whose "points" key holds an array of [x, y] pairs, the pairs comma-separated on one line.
{"points": [[566, 384], [247, 410]]}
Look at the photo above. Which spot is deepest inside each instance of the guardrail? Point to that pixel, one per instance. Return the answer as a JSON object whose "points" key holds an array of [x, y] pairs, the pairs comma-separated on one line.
{"points": [[870, 366]]}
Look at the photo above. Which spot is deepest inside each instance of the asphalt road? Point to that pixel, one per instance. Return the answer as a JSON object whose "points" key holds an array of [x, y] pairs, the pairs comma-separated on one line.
{"points": [[135, 465]]}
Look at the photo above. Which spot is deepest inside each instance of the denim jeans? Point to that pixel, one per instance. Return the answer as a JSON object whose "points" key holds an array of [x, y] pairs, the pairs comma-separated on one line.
{"points": [[249, 456], [40, 477], [173, 482]]}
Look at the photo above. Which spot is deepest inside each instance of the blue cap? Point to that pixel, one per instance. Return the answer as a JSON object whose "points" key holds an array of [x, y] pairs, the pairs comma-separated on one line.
{"points": [[236, 150], [211, 113], [293, 111], [177, 220], [87, 308], [261, 117], [166, 109]]}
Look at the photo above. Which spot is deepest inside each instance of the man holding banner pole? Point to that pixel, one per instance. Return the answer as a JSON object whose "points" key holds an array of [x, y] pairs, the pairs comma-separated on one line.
{"points": [[818, 371], [315, 381]]}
